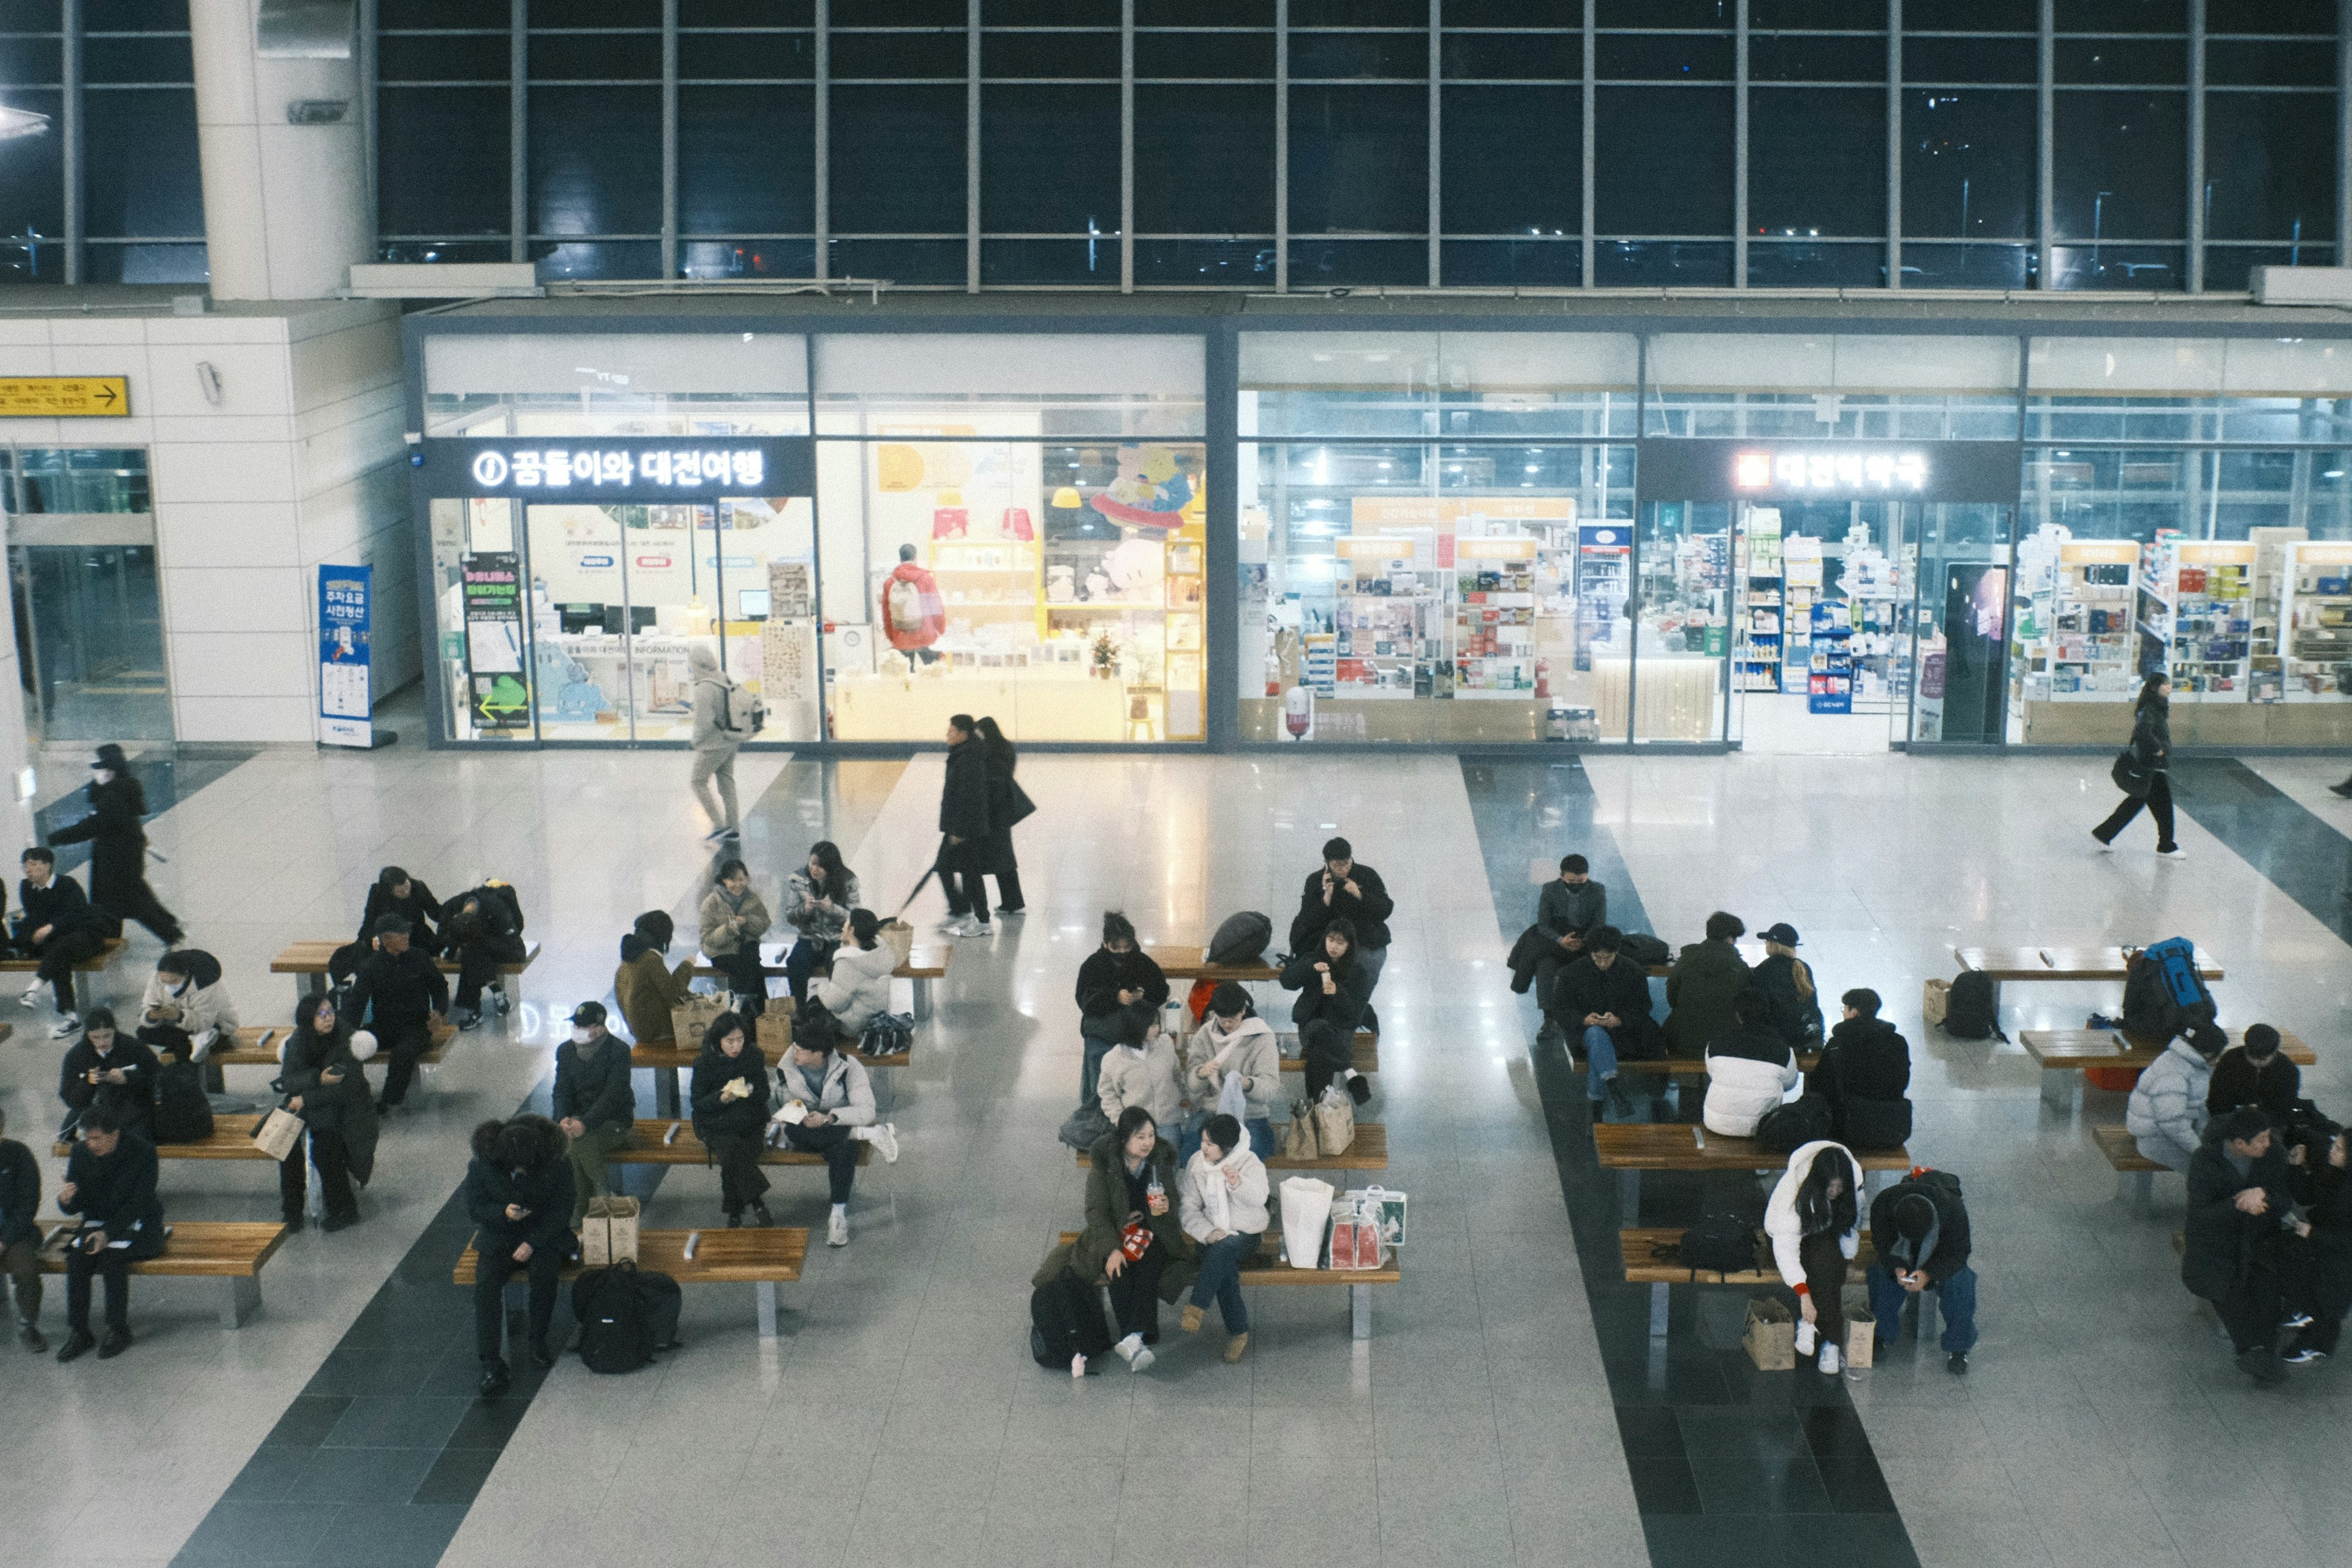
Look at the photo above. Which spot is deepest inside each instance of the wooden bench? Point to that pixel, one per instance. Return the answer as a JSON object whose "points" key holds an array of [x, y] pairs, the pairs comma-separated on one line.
{"points": [[1188, 963], [659, 1141], [231, 1252], [1269, 1269], [257, 1047], [923, 965], [1367, 1046], [1696, 1067], [2134, 1172], [1630, 1148], [1643, 1267], [2005, 963], [1368, 1151], [670, 1064], [2073, 1050], [115, 947], [763, 1257], [1752, 953], [306, 961], [231, 1139]]}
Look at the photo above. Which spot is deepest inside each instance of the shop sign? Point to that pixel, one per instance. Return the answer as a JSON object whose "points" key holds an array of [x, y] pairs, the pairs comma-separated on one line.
{"points": [[344, 694], [497, 688], [1719, 469], [619, 467]]}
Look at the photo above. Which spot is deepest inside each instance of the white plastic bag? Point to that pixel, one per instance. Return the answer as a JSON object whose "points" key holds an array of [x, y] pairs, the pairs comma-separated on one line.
{"points": [[1230, 1101], [1306, 1215]]}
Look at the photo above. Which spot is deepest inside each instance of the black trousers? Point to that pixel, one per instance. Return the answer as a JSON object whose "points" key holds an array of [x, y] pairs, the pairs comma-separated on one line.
{"points": [[1006, 869], [403, 1043], [333, 1160], [135, 900], [741, 1182], [840, 1151], [1135, 1295], [22, 1264], [745, 976], [114, 1262], [2316, 1277], [58, 955], [1329, 1052], [2159, 806], [1825, 1264], [490, 1278], [962, 868], [478, 965]]}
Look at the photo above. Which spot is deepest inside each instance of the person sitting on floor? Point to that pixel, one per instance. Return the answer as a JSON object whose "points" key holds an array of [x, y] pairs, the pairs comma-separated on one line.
{"points": [[1114, 976], [1232, 1039], [1335, 993], [1864, 1073], [2166, 1115], [730, 1096], [858, 989], [107, 1068], [1750, 1068], [1141, 1069], [2238, 1196], [648, 985], [110, 1187], [1814, 1219], [1787, 981], [1701, 985], [186, 1009], [20, 1234], [829, 1110], [1222, 1201], [517, 1192], [1604, 1001], [594, 1102], [1919, 1230], [2256, 1073], [1134, 1236]]}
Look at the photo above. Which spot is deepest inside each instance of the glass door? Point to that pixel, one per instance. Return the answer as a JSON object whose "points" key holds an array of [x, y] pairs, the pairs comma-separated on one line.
{"points": [[1959, 621], [90, 642], [1687, 604], [580, 616]]}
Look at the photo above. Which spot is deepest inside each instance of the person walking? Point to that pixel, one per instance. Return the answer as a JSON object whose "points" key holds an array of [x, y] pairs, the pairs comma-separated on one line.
{"points": [[966, 829], [730, 1095], [717, 737], [117, 846], [1008, 803], [2144, 772]]}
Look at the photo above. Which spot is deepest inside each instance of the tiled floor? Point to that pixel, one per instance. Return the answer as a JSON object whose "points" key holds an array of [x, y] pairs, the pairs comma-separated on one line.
{"points": [[899, 1419]]}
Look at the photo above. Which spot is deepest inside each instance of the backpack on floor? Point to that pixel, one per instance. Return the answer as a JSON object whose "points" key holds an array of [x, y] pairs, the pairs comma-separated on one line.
{"points": [[1719, 1243], [887, 1035], [1645, 949], [1066, 1320], [1968, 1009], [1243, 939], [1790, 1126], [617, 1333]]}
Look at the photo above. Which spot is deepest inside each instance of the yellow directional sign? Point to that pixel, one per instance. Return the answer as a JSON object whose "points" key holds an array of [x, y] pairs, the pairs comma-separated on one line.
{"points": [[64, 396]]}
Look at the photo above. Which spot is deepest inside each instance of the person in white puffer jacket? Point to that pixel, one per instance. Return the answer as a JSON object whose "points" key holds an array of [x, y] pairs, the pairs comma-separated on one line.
{"points": [[1220, 1201], [1815, 1222], [1750, 1068], [859, 987], [187, 1007], [2167, 1111]]}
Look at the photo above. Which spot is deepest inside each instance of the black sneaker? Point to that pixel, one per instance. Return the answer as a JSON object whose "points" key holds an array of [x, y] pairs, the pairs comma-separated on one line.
{"points": [[335, 1222], [1359, 1090], [2344, 789], [541, 1356], [467, 1018], [1551, 1037], [78, 1343], [117, 1341], [1619, 1100], [295, 1221], [32, 1339], [495, 1379], [735, 1220], [760, 1214], [505, 1002], [1957, 1363]]}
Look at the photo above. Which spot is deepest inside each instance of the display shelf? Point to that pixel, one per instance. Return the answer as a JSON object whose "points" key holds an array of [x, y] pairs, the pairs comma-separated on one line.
{"points": [[2318, 622], [1829, 665], [2087, 647], [1494, 654], [2196, 605], [1757, 650]]}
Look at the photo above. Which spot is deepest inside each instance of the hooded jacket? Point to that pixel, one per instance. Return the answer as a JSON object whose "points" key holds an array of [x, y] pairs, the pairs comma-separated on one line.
{"points": [[718, 939], [1370, 912], [2168, 1101], [1699, 991], [1250, 1049], [202, 1006], [1145, 1074], [592, 1083], [118, 843], [1787, 1230], [421, 910], [801, 911], [842, 1091], [1864, 1073], [1206, 1205], [1106, 1211], [1103, 976], [647, 987], [858, 989], [2222, 1240], [712, 687], [1747, 1073], [116, 1192], [714, 1070], [1949, 1252], [542, 1188], [346, 1108]]}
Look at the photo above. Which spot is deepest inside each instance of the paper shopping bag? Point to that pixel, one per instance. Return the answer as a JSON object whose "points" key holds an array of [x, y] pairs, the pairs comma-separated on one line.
{"points": [[609, 1234], [1770, 1336], [775, 1032], [1306, 1211], [900, 937], [1335, 1123], [690, 1017], [1298, 1135], [280, 1135]]}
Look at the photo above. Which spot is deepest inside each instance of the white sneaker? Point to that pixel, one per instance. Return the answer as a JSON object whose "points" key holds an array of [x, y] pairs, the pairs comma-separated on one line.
{"points": [[1830, 1361], [67, 1025], [1078, 1365], [837, 1231], [1127, 1348], [2175, 853], [967, 926], [1807, 1337], [952, 921], [32, 996], [1143, 1358], [885, 1137]]}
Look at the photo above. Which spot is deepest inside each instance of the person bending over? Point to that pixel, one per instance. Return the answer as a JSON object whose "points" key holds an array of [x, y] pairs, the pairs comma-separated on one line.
{"points": [[393, 892], [399, 993], [1815, 1222], [1114, 976], [595, 1103], [110, 1187], [730, 1095], [1345, 889], [2256, 1073], [1603, 1004], [829, 1110], [1335, 988], [2238, 1198], [1222, 1202], [517, 1192], [1920, 1231], [484, 932]]}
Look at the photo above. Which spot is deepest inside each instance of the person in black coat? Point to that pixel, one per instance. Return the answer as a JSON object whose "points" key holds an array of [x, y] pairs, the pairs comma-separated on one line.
{"points": [[482, 929], [1919, 1234], [1864, 1072], [325, 1084], [117, 846], [110, 1186], [967, 830], [517, 1192], [1600, 1004], [399, 993], [59, 928], [730, 1095], [108, 1068], [1787, 982], [1008, 803], [2318, 1273], [1115, 976], [20, 1237], [2151, 758], [1334, 988], [2239, 1192], [1345, 889], [2256, 1073], [595, 1105], [393, 892]]}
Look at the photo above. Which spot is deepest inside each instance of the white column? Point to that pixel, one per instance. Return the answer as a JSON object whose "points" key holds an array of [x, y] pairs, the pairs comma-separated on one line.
{"points": [[285, 205], [16, 755]]}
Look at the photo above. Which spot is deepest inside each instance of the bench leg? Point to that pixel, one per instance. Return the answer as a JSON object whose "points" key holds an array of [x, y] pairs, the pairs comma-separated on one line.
{"points": [[1360, 1312], [666, 1092], [1629, 1197], [922, 990], [764, 1291], [2136, 1188], [2058, 1090], [240, 1298], [1658, 1309]]}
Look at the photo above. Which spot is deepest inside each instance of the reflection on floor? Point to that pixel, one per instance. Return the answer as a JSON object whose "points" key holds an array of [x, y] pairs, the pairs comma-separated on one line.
{"points": [[1779, 721]]}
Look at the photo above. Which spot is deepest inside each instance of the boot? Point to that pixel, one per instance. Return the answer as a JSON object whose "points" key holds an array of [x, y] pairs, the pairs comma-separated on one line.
{"points": [[1620, 1102], [1236, 1347], [1191, 1322]]}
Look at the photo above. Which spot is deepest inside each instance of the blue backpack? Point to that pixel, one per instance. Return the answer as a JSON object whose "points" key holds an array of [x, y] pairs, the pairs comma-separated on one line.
{"points": [[2163, 993]]}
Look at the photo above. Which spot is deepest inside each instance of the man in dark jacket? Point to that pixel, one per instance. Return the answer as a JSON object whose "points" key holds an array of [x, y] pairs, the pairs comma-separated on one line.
{"points": [[966, 830], [1865, 1075], [2238, 1194], [109, 1067], [484, 929], [2256, 1073], [1705, 979], [517, 1192], [406, 992], [1603, 1006], [1569, 909], [594, 1102], [117, 846], [1345, 889], [20, 1238], [1115, 976], [2319, 1271], [1919, 1230], [56, 925], [110, 1185]]}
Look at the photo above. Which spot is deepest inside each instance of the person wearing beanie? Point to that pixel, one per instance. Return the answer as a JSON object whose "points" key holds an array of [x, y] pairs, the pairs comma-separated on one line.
{"points": [[2256, 1073], [1344, 888], [400, 994], [1919, 1230], [594, 1102], [2238, 1198], [117, 846]]}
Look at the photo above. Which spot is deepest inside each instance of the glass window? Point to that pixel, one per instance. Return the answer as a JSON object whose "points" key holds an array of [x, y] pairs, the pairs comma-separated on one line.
{"points": [[898, 160], [1812, 264], [596, 156], [1070, 131], [44, 481], [1817, 56], [1968, 164], [1692, 610], [1852, 386], [731, 183], [1663, 56], [1548, 57], [885, 57], [2134, 62], [2120, 156], [618, 385], [2262, 180], [463, 188], [737, 57], [1049, 55], [1511, 162], [1969, 60], [1228, 129], [1456, 384], [1639, 130], [1358, 160], [1203, 53], [1817, 160], [33, 192], [1663, 263], [2122, 16], [1557, 263], [139, 167]]}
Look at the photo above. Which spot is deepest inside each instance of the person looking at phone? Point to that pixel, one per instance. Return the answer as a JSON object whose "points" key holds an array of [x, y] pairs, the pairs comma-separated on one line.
{"points": [[517, 1192], [110, 1187]]}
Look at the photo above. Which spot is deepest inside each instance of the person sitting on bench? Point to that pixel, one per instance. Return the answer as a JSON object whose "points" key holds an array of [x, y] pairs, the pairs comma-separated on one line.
{"points": [[323, 1073], [1232, 1038], [517, 1192], [110, 1187], [733, 919], [1334, 991], [2256, 1073], [483, 930], [1787, 981], [107, 1068], [2166, 1115], [1222, 1199], [817, 900], [829, 1110], [648, 985], [60, 928], [1750, 1068], [1919, 1230], [1142, 1069], [1814, 1219], [1603, 1004], [594, 1102], [186, 1009], [1134, 1236], [1114, 976], [2238, 1196], [2319, 1279], [1344, 888], [20, 1236], [397, 992], [1864, 1073], [1702, 984], [730, 1096], [858, 989], [1569, 909], [393, 892]]}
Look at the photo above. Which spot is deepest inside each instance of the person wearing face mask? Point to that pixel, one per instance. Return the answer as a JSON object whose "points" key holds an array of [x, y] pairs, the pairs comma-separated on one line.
{"points": [[186, 1009], [107, 1068], [648, 985], [594, 1102], [399, 991], [829, 1110], [730, 1095], [117, 846]]}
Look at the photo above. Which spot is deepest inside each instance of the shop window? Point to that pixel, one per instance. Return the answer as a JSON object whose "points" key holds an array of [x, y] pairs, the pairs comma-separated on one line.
{"points": [[44, 481]]}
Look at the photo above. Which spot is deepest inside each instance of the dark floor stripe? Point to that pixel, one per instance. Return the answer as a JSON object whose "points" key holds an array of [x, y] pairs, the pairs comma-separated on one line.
{"points": [[2303, 855], [1730, 1465], [380, 1455]]}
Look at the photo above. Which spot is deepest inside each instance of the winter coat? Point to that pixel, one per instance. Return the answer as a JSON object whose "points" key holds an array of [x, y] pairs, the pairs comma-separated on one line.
{"points": [[844, 1092], [714, 1070], [118, 844], [1950, 1252], [592, 1084], [648, 986], [1699, 992], [1796, 1008], [858, 989], [1106, 1211], [494, 921], [712, 687], [403, 992], [1008, 803], [135, 1097], [2151, 738], [963, 798], [199, 1007], [544, 1188], [1147, 1076], [1562, 911], [2237, 1081], [1370, 911], [62, 907], [1864, 1073], [1249, 1049], [1623, 988], [801, 911], [2168, 1101], [20, 1194], [718, 939], [1103, 976], [2223, 1243], [1206, 1205], [1747, 1073], [421, 910], [1343, 1008], [116, 1193], [1782, 1224], [347, 1107]]}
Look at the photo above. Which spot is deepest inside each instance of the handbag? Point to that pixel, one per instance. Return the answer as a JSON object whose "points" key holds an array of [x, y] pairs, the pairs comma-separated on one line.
{"points": [[1135, 1240], [280, 1135], [1335, 1123], [2130, 778], [1298, 1141]]}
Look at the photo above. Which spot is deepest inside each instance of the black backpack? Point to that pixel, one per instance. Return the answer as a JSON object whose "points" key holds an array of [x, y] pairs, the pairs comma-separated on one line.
{"points": [[1066, 1320], [1968, 1010], [616, 1321], [182, 1114], [1243, 939], [1644, 949], [1719, 1243], [1790, 1126]]}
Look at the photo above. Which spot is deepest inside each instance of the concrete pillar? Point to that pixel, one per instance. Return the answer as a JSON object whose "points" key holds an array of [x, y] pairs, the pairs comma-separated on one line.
{"points": [[15, 754], [285, 205]]}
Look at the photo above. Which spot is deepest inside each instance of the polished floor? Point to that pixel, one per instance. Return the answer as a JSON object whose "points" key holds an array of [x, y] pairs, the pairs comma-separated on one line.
{"points": [[1507, 1409]]}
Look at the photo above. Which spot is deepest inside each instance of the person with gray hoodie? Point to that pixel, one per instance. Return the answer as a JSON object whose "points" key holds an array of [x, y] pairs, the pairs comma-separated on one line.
{"points": [[718, 736], [2167, 1112], [1232, 1039]]}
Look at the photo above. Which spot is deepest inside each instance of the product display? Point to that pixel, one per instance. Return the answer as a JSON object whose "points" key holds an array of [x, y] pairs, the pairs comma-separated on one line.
{"points": [[2196, 605], [2077, 629], [1757, 654], [1494, 618], [2318, 622], [1830, 664]]}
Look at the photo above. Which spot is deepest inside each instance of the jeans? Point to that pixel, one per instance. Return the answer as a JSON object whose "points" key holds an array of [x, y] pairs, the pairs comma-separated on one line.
{"points": [[588, 1153], [1188, 1141], [720, 766], [1957, 1296], [1372, 960], [1090, 1071], [1220, 1279], [2159, 805], [740, 1181], [334, 1177], [808, 955], [1599, 1061], [22, 1264], [494, 1267], [840, 1150]]}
